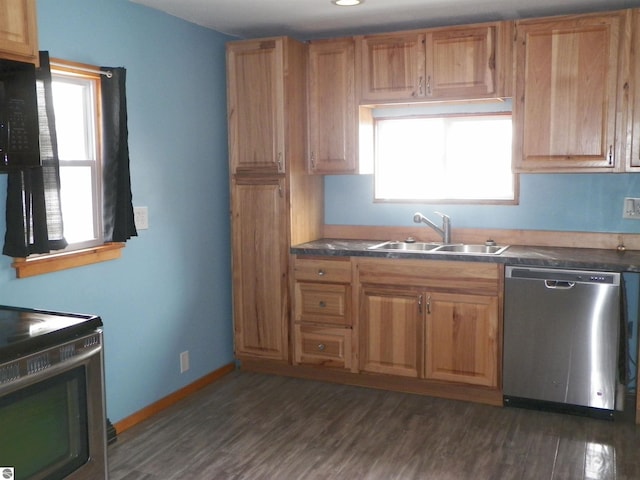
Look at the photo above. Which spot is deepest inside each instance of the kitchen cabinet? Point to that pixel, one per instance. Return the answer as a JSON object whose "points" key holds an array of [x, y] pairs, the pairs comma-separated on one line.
{"points": [[435, 320], [391, 328], [633, 89], [18, 31], [322, 312], [462, 338], [256, 105], [566, 92], [273, 204], [259, 268], [466, 62], [332, 107]]}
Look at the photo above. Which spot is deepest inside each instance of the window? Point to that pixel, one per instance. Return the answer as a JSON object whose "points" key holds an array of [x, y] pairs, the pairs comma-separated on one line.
{"points": [[76, 106], [455, 157]]}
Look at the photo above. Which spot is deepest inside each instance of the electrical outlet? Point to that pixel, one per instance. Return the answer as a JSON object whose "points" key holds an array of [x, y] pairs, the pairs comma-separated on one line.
{"points": [[141, 217], [184, 361], [631, 208]]}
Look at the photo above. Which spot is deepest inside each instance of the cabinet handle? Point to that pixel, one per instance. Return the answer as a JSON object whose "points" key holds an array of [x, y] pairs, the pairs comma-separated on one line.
{"points": [[313, 161], [610, 155], [322, 347], [322, 304], [429, 85], [280, 169], [420, 304], [429, 304], [420, 85], [321, 272]]}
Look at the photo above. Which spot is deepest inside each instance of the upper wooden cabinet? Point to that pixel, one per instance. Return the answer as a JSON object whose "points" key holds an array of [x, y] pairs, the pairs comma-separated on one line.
{"points": [[332, 107], [445, 63], [18, 30], [256, 107], [566, 92]]}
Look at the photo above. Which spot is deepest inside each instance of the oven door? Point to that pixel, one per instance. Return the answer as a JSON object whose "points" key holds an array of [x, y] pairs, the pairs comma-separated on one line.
{"points": [[52, 414]]}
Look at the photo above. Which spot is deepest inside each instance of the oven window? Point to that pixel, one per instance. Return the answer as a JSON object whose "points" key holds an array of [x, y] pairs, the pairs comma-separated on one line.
{"points": [[44, 427]]}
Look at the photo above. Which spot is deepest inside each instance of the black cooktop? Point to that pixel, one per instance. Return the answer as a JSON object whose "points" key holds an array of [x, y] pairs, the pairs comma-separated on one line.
{"points": [[24, 330]]}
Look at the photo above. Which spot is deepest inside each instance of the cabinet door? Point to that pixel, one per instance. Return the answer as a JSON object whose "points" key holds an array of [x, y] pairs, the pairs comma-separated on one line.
{"points": [[259, 268], [255, 93], [392, 67], [462, 339], [333, 108], [461, 62], [18, 32], [565, 99], [391, 331]]}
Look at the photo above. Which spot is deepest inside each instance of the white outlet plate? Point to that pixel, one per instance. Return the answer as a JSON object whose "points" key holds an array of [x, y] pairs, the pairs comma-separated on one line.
{"points": [[631, 208], [184, 361], [141, 217]]}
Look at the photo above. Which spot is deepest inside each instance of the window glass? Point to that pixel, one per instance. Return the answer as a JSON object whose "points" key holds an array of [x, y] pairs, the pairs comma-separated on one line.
{"points": [[453, 157], [75, 99]]}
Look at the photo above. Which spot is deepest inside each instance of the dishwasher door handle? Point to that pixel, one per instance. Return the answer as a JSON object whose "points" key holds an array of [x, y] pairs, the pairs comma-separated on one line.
{"points": [[559, 284]]}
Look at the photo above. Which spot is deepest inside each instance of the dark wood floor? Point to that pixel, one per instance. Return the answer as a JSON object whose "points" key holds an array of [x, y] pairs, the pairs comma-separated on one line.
{"points": [[252, 426]]}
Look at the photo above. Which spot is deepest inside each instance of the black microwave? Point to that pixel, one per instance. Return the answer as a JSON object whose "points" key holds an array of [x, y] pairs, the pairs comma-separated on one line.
{"points": [[19, 126]]}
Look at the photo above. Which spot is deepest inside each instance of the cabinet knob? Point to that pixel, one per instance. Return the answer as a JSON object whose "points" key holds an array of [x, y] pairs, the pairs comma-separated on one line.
{"points": [[322, 347], [322, 304], [321, 272]]}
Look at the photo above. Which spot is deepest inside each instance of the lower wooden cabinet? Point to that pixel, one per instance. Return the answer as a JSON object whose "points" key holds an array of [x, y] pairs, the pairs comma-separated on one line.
{"points": [[322, 313], [423, 326], [462, 339], [391, 325]]}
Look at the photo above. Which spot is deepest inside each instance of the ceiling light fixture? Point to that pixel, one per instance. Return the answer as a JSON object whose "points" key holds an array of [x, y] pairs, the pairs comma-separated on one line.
{"points": [[347, 3]]}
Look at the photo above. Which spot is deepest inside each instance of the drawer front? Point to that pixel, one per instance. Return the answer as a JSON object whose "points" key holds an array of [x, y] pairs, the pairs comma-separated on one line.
{"points": [[323, 303], [319, 270], [330, 347]]}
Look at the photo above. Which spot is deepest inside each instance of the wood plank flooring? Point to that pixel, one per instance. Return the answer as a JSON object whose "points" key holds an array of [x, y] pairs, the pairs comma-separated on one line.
{"points": [[251, 426]]}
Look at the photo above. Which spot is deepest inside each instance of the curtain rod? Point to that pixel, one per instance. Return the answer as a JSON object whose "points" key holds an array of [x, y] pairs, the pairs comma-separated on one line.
{"points": [[106, 73]]}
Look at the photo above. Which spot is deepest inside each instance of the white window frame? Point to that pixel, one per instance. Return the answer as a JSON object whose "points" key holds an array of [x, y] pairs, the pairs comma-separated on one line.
{"points": [[69, 73]]}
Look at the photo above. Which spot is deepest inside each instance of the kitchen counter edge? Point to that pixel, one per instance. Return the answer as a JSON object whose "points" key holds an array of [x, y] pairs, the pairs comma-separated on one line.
{"points": [[551, 257]]}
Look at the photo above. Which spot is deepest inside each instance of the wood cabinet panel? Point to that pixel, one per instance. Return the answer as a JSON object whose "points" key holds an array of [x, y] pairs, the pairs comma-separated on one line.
{"points": [[392, 66], [319, 270], [566, 92], [332, 107], [461, 62], [255, 95], [391, 331], [323, 346], [323, 303], [260, 268], [462, 339], [18, 30]]}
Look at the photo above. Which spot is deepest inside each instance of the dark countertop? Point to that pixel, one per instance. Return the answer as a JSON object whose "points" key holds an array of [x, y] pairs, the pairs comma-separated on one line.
{"points": [[556, 257]]}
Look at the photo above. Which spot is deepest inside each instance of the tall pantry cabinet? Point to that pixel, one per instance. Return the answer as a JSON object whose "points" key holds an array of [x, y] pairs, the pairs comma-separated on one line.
{"points": [[274, 202]]}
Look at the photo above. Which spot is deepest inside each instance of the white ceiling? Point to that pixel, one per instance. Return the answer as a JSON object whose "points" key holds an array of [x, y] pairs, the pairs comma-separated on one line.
{"points": [[307, 19]]}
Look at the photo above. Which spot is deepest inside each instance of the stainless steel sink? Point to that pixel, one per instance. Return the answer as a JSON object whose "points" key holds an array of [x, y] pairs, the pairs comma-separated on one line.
{"points": [[406, 246], [472, 249]]}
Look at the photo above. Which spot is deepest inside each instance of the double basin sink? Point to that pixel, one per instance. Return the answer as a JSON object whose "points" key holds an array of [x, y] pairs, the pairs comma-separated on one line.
{"points": [[427, 247]]}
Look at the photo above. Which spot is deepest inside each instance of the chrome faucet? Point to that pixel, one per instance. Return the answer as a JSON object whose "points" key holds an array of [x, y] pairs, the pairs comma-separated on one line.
{"points": [[444, 232]]}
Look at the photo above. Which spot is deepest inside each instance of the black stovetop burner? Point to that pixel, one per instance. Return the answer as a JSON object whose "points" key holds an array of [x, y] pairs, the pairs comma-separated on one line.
{"points": [[24, 330]]}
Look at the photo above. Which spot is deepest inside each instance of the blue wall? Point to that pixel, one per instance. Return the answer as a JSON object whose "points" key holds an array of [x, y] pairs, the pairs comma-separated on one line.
{"points": [[170, 292]]}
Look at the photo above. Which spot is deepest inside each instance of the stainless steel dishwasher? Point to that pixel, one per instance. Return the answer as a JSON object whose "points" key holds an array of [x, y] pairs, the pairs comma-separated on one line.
{"points": [[561, 337]]}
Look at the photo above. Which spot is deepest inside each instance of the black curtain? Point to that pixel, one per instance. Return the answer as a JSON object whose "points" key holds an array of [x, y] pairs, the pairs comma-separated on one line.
{"points": [[117, 199], [33, 214]]}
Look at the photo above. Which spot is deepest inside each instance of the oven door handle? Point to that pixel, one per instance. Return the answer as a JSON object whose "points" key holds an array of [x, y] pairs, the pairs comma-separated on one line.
{"points": [[47, 372]]}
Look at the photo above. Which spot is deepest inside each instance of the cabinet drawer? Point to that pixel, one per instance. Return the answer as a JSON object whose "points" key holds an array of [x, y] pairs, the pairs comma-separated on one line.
{"points": [[330, 347], [319, 270], [323, 303]]}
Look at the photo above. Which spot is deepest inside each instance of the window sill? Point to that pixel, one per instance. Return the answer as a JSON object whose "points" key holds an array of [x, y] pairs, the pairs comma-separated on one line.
{"points": [[29, 267]]}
